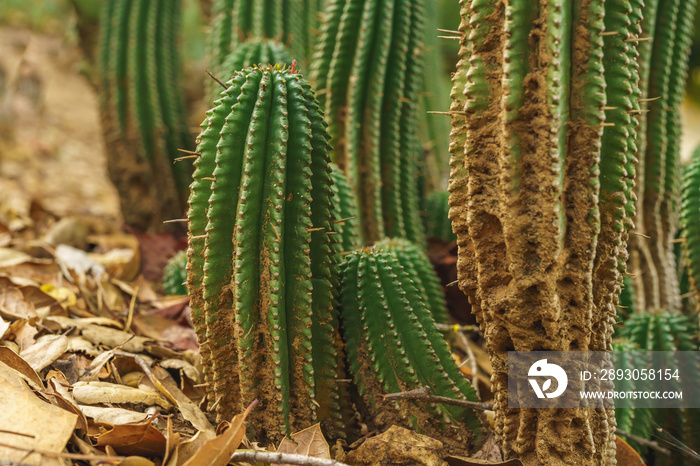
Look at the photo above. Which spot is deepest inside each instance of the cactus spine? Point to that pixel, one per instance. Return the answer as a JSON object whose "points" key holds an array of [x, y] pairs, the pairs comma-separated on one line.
{"points": [[260, 266], [542, 172], [394, 345], [142, 113], [367, 69]]}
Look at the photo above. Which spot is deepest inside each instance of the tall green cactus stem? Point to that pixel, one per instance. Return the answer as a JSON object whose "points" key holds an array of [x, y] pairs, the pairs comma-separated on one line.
{"points": [[394, 345], [292, 22], [367, 68], [417, 265], [434, 97], [260, 263], [250, 53], [141, 109], [690, 221], [437, 222], [663, 69], [540, 195], [345, 214]]}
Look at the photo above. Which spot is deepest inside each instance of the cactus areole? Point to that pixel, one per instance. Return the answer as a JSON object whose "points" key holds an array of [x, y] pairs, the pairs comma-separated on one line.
{"points": [[260, 266]]}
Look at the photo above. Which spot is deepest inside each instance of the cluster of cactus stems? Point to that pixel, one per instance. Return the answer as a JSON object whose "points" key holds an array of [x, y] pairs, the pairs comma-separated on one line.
{"points": [[260, 270], [663, 65], [142, 111], [291, 22], [546, 101], [367, 71], [690, 222], [393, 345]]}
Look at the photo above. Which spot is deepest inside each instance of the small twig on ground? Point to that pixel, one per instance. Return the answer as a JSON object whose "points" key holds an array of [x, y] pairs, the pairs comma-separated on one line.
{"points": [[423, 394], [281, 458], [472, 360], [643, 441]]}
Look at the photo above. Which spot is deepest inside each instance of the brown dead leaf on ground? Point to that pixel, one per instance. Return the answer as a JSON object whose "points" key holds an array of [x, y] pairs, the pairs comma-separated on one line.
{"points": [[625, 454], [218, 450], [141, 438], [398, 446], [307, 442], [24, 422]]}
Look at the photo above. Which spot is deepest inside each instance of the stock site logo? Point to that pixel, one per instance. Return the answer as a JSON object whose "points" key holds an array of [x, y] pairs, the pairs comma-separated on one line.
{"points": [[543, 369]]}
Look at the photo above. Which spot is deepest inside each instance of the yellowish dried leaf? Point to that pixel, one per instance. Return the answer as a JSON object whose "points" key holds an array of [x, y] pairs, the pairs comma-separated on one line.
{"points": [[34, 423], [105, 392]]}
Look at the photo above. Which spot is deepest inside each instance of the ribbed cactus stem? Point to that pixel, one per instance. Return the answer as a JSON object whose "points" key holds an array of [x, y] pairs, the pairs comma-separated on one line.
{"points": [[346, 216], [394, 345], [541, 194], [690, 221], [663, 70], [260, 265], [291, 22], [142, 112], [253, 52], [417, 265], [367, 69]]}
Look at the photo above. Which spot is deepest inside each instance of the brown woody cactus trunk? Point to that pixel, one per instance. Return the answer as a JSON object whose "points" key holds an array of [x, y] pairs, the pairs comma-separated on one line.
{"points": [[544, 103]]}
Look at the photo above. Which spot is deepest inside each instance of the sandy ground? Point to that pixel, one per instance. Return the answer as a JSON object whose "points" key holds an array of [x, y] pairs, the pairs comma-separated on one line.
{"points": [[51, 145]]}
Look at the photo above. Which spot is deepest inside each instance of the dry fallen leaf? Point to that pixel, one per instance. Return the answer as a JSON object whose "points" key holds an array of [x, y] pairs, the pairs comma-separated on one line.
{"points": [[626, 455], [16, 362], [113, 416], [104, 392], [218, 451], [307, 442], [45, 351], [25, 419], [133, 439], [398, 446]]}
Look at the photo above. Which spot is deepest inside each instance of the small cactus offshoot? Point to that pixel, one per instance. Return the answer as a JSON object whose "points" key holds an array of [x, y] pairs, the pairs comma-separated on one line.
{"points": [[175, 274]]}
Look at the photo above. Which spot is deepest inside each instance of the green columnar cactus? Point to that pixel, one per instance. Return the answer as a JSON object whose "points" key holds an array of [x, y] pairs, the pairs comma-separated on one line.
{"points": [[663, 69], [542, 171], [434, 96], [367, 69], [393, 345], [175, 274], [260, 267], [437, 222], [418, 267], [291, 22], [141, 109], [690, 220], [345, 214]]}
